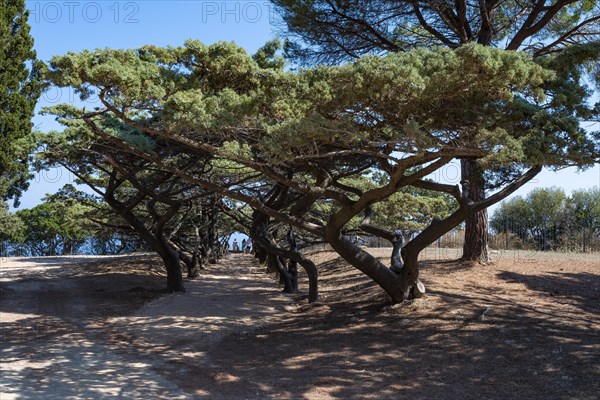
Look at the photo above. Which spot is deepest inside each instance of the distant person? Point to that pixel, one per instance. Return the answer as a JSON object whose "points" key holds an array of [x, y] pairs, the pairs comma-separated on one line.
{"points": [[360, 241], [243, 245], [236, 247], [249, 246]]}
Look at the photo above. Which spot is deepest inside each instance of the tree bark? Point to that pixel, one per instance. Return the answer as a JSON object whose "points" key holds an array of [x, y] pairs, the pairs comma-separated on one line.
{"points": [[285, 276], [193, 271], [191, 264], [409, 274], [212, 226], [475, 246], [313, 278], [197, 259], [174, 276], [292, 270], [397, 286], [292, 264]]}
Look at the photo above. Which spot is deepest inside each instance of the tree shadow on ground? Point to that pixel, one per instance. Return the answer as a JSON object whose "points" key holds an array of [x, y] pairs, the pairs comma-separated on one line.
{"points": [[71, 361], [504, 353], [477, 341], [581, 289]]}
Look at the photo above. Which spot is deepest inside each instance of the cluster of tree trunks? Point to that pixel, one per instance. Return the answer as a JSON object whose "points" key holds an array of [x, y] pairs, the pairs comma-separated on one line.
{"points": [[181, 229], [279, 259]]}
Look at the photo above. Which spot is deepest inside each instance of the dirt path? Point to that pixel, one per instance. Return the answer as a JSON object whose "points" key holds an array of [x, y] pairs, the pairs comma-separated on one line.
{"points": [[57, 342]]}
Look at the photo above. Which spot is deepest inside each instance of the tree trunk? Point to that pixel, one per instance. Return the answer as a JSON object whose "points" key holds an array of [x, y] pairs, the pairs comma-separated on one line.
{"points": [[212, 226], [193, 264], [475, 247], [293, 265], [285, 276], [313, 278], [197, 259], [397, 286], [309, 267], [192, 272], [67, 247], [259, 252], [174, 275], [293, 271], [396, 264], [409, 274]]}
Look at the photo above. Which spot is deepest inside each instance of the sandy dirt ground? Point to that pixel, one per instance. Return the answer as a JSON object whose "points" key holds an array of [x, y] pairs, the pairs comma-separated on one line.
{"points": [[78, 328], [527, 326]]}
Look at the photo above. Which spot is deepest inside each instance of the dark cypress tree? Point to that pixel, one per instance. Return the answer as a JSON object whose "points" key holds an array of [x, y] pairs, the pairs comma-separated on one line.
{"points": [[19, 92]]}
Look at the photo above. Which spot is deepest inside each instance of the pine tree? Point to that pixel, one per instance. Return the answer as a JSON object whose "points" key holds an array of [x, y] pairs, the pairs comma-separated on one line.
{"points": [[325, 31]]}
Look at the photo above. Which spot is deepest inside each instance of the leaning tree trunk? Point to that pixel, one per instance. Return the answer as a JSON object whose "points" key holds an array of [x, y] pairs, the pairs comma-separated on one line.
{"points": [[292, 264], [212, 234], [193, 270], [265, 250], [264, 247], [174, 276], [292, 270], [475, 247], [409, 275], [196, 262], [285, 277], [191, 264], [396, 285]]}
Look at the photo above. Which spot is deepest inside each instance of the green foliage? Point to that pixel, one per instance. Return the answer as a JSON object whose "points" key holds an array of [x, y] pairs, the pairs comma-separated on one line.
{"points": [[267, 57], [411, 210], [419, 99], [56, 226], [542, 205], [475, 96], [11, 226], [19, 91], [583, 209], [548, 214]]}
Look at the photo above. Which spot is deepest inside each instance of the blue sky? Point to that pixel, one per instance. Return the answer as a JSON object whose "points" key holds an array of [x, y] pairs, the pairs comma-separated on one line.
{"points": [[62, 26]]}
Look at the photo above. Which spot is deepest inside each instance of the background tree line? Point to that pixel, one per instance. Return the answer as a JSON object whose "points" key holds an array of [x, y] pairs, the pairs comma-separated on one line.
{"points": [[548, 219], [62, 225]]}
